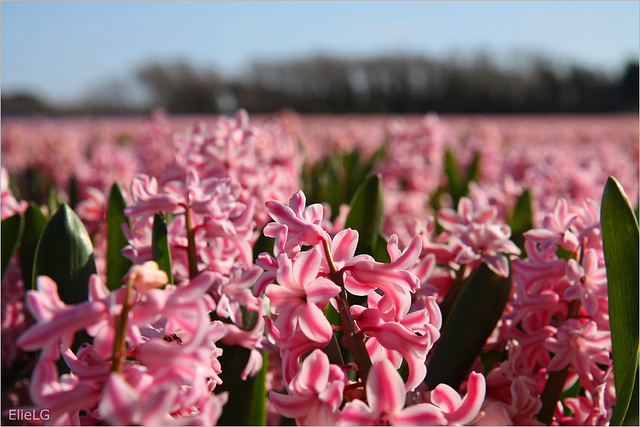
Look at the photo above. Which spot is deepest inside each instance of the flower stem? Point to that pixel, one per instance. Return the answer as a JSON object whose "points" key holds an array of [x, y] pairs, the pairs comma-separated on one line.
{"points": [[191, 241], [555, 383], [119, 342], [354, 337]]}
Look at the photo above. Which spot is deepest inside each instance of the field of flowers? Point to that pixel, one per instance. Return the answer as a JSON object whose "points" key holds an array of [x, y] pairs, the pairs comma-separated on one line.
{"points": [[320, 270]]}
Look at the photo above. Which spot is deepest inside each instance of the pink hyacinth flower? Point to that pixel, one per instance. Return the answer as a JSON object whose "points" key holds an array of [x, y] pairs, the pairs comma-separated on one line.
{"points": [[303, 222], [56, 322], [386, 397], [556, 229], [582, 346], [589, 281], [315, 393], [299, 295], [146, 276]]}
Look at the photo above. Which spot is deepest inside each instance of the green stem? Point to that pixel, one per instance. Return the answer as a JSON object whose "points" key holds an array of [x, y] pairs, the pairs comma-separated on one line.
{"points": [[191, 241], [119, 342], [354, 337], [555, 383]]}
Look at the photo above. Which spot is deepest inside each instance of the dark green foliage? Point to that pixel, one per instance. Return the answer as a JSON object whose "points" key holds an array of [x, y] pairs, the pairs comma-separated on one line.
{"points": [[620, 245], [65, 254], [117, 265], [472, 318], [160, 245], [11, 233]]}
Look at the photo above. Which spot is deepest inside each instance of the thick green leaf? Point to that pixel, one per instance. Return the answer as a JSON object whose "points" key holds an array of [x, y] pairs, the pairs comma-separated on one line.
{"points": [[34, 223], [117, 265], [160, 251], [237, 410], [367, 214], [474, 169], [65, 254], [473, 317], [454, 177], [521, 219], [52, 201], [258, 409], [11, 233], [631, 419], [620, 244]]}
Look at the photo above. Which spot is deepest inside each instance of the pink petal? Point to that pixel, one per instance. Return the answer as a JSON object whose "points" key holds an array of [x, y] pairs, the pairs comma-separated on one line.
{"points": [[357, 413], [314, 324], [499, 264], [306, 266], [445, 397], [314, 374], [344, 245], [385, 388], [119, 402], [420, 415], [320, 290], [471, 403], [292, 406]]}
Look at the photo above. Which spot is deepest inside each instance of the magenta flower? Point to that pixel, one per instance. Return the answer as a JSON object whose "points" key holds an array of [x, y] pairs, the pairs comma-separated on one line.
{"points": [[555, 229], [582, 346], [589, 281], [303, 222], [386, 402], [299, 296], [56, 322], [315, 393]]}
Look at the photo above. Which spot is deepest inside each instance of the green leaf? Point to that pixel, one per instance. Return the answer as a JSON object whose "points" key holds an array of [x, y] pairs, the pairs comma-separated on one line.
{"points": [[367, 214], [473, 317], [620, 244], [474, 169], [117, 265], [453, 176], [34, 223], [160, 252], [521, 219], [11, 233], [65, 254], [52, 201], [258, 408], [631, 418], [243, 395]]}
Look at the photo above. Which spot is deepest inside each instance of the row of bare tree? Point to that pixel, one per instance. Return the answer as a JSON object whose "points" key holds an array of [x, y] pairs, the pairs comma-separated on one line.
{"points": [[390, 84]]}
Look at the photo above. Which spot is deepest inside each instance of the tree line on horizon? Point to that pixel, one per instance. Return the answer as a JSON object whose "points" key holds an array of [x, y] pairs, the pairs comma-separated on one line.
{"points": [[384, 84]]}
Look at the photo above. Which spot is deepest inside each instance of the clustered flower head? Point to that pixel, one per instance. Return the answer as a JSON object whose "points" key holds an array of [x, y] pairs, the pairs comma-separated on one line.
{"points": [[381, 335]]}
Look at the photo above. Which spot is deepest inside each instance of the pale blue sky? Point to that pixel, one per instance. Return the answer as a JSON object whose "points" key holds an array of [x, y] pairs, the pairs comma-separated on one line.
{"points": [[62, 49]]}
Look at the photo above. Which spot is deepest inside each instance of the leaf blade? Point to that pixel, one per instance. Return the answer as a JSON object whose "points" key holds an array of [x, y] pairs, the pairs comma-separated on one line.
{"points": [[620, 237], [117, 265], [34, 223], [12, 229], [366, 213], [160, 251], [484, 297], [65, 254]]}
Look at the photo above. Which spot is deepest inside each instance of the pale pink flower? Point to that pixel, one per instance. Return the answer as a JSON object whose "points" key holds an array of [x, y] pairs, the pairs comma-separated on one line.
{"points": [[303, 222], [581, 345], [314, 394], [146, 276], [589, 281], [299, 296], [555, 229], [386, 400], [56, 322]]}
